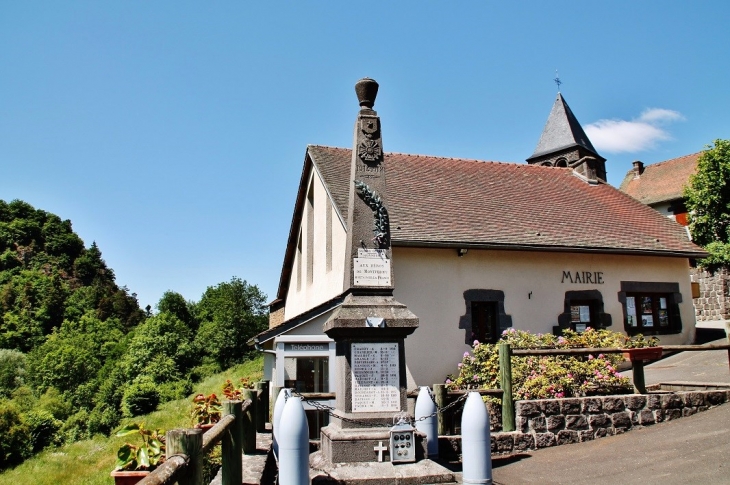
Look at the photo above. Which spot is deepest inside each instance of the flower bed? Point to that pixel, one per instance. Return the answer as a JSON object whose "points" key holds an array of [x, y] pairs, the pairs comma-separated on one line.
{"points": [[543, 377]]}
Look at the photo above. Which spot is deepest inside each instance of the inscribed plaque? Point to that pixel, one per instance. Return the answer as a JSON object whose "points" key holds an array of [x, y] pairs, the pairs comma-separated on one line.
{"points": [[371, 272], [375, 377], [371, 253]]}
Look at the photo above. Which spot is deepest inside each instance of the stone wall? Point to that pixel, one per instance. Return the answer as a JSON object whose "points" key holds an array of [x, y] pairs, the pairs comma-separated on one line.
{"points": [[276, 317], [714, 301], [551, 422]]}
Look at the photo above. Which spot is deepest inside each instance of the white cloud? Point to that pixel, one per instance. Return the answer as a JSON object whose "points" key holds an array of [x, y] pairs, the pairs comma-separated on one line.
{"points": [[640, 134], [660, 115]]}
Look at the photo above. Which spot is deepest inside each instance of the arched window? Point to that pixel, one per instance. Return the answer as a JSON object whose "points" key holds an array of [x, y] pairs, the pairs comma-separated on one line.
{"points": [[561, 162], [546, 164]]}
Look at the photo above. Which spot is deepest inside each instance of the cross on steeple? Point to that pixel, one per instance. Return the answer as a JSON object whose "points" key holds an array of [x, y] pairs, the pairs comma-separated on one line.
{"points": [[557, 80]]}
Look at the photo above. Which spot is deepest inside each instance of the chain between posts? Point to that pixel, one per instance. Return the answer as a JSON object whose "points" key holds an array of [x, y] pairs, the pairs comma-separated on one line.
{"points": [[331, 411]]}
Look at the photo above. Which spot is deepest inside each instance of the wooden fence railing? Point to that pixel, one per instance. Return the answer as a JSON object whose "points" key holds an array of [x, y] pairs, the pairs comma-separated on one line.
{"points": [[237, 428], [506, 352], [236, 431]]}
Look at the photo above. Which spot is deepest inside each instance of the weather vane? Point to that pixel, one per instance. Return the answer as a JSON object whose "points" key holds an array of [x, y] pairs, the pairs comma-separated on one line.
{"points": [[557, 80]]}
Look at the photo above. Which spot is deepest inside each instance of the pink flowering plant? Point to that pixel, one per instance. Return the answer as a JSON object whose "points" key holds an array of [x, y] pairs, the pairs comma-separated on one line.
{"points": [[543, 377]]}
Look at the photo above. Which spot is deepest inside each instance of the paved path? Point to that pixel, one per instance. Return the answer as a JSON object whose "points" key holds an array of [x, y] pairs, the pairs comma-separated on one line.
{"points": [[695, 449], [705, 366]]}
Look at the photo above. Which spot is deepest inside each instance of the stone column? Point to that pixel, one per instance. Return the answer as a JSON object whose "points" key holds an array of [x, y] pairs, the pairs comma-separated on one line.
{"points": [[370, 327]]}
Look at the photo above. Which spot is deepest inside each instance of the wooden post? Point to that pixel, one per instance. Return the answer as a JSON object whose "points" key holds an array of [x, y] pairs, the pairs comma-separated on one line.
{"points": [[187, 442], [232, 473], [439, 395], [505, 381], [637, 367], [249, 422], [274, 395], [262, 406]]}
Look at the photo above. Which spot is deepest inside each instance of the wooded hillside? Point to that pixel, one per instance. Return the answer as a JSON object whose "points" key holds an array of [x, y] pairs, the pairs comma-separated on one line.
{"points": [[77, 354]]}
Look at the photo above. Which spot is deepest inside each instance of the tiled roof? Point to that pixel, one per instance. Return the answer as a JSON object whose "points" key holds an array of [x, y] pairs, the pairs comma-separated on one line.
{"points": [[562, 131], [435, 201], [660, 182]]}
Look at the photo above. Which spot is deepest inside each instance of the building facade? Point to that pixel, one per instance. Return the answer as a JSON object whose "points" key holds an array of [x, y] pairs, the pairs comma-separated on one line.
{"points": [[661, 187], [477, 248]]}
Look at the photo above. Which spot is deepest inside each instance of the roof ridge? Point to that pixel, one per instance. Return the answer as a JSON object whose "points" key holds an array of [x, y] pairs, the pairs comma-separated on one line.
{"points": [[314, 145], [421, 155], [672, 159]]}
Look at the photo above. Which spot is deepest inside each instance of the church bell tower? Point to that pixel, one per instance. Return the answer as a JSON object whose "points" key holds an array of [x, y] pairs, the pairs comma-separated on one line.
{"points": [[563, 143]]}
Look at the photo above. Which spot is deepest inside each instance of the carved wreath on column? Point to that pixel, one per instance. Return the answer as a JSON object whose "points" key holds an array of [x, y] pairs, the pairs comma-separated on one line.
{"points": [[382, 222]]}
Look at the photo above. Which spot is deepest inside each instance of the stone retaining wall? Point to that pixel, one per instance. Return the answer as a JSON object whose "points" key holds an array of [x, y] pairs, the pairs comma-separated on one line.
{"points": [[551, 422], [714, 301]]}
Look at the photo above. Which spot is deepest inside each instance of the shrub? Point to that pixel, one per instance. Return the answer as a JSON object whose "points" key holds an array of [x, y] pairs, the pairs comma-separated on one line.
{"points": [[170, 391], [141, 397], [15, 445], [76, 427], [204, 370], [53, 402], [43, 429], [540, 377], [103, 420]]}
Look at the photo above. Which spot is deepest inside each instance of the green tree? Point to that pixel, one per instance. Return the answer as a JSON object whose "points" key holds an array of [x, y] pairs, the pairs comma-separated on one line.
{"points": [[229, 314], [64, 362], [708, 202], [175, 304], [90, 265], [160, 349], [12, 371]]}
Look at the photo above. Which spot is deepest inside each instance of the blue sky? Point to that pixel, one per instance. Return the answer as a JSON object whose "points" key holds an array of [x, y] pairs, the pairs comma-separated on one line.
{"points": [[173, 133]]}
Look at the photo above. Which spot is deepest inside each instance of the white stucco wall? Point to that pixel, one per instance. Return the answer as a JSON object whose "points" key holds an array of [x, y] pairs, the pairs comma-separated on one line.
{"points": [[431, 282], [325, 284]]}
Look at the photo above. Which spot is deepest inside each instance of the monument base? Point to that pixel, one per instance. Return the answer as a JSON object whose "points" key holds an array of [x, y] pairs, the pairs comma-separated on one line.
{"points": [[358, 445], [425, 471]]}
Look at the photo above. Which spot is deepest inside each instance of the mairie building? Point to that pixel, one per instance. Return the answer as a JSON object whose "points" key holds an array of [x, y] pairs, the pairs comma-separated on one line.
{"points": [[479, 247]]}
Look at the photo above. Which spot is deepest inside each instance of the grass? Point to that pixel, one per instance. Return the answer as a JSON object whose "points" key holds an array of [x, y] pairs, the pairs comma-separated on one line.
{"points": [[90, 462]]}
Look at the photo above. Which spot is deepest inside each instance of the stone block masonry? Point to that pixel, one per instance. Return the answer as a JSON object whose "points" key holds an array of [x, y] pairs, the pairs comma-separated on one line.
{"points": [[714, 301], [551, 422]]}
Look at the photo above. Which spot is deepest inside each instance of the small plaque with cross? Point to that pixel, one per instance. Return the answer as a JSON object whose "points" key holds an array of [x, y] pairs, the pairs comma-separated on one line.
{"points": [[380, 449]]}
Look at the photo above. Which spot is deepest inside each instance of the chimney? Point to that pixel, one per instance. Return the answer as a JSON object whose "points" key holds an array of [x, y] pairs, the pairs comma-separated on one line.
{"points": [[638, 168]]}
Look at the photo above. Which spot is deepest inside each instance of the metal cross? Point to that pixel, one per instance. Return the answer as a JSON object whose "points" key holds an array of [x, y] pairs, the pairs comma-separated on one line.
{"points": [[557, 80], [380, 449]]}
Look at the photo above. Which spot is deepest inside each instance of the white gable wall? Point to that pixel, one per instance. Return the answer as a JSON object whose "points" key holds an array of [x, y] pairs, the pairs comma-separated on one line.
{"points": [[326, 281], [664, 208], [432, 282]]}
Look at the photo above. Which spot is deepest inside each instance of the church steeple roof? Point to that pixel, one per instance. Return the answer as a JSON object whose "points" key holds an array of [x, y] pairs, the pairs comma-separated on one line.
{"points": [[562, 131]]}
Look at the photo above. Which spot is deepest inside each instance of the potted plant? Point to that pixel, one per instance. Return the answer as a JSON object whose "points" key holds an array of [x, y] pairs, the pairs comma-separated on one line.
{"points": [[237, 393], [134, 462], [638, 348], [206, 411]]}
